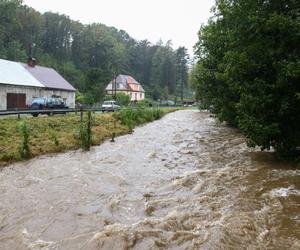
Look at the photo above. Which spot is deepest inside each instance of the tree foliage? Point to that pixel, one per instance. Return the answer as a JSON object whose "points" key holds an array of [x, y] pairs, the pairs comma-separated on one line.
{"points": [[123, 99], [248, 71], [80, 52]]}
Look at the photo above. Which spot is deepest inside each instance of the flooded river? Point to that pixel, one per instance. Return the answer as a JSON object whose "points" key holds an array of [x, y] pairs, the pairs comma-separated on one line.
{"points": [[183, 182]]}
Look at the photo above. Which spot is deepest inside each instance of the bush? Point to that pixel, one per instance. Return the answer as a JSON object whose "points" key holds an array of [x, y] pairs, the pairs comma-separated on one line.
{"points": [[128, 118], [123, 99], [157, 114], [144, 103], [85, 132], [133, 117], [24, 150]]}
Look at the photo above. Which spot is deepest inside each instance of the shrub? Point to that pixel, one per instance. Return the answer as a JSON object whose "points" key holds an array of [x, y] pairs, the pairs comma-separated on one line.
{"points": [[144, 103], [157, 114], [123, 99], [24, 132], [133, 117], [85, 132], [128, 117]]}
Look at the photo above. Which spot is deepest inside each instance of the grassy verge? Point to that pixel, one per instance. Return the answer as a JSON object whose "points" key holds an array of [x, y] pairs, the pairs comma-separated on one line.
{"points": [[59, 133]]}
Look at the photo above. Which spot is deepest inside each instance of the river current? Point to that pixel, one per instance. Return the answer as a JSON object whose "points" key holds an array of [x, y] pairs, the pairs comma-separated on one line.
{"points": [[183, 182]]}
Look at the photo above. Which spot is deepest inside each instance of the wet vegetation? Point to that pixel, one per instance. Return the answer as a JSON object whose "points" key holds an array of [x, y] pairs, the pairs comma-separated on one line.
{"points": [[140, 115], [24, 150], [248, 70], [44, 135], [89, 55], [85, 132]]}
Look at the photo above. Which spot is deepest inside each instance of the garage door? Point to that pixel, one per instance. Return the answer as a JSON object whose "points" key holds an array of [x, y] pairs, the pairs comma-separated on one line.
{"points": [[16, 100]]}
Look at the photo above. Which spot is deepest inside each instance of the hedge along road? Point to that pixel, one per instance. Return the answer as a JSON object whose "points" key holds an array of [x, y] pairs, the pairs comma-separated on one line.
{"points": [[183, 182]]}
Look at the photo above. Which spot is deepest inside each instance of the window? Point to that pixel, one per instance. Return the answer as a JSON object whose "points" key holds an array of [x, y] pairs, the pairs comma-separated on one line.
{"points": [[40, 100]]}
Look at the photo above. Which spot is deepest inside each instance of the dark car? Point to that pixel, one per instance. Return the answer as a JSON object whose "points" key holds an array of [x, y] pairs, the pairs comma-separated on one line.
{"points": [[44, 103]]}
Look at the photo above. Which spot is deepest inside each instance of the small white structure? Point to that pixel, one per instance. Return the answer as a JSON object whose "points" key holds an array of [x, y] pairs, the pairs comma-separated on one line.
{"points": [[128, 85], [20, 83]]}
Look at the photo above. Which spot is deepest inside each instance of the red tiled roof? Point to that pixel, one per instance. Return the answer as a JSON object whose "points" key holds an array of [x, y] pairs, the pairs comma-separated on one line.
{"points": [[124, 82]]}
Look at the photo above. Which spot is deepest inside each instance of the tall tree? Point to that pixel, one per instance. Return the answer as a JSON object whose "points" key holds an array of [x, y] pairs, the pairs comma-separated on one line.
{"points": [[58, 35], [181, 70], [8, 23], [248, 69], [163, 68], [84, 54]]}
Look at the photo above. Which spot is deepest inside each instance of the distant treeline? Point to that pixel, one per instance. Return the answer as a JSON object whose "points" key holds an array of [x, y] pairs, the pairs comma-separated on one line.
{"points": [[248, 71], [89, 55]]}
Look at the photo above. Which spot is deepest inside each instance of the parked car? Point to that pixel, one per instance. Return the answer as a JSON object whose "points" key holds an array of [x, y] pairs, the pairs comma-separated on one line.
{"points": [[167, 103], [110, 106], [44, 103]]}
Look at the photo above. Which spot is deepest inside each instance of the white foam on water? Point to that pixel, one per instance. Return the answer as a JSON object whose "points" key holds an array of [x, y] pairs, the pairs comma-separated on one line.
{"points": [[284, 192]]}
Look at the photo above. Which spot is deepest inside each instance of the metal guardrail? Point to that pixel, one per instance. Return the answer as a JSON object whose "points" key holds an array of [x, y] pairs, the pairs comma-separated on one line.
{"points": [[48, 111], [20, 112]]}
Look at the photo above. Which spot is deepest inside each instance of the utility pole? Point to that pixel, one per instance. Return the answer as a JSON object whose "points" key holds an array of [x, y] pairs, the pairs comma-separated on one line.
{"points": [[32, 46], [115, 88], [181, 91], [114, 94]]}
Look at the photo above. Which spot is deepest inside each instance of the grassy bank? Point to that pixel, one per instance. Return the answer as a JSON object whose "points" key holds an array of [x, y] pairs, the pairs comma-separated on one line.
{"points": [[60, 133]]}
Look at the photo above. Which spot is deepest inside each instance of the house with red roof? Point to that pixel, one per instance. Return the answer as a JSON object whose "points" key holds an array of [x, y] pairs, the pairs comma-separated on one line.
{"points": [[20, 83], [128, 85]]}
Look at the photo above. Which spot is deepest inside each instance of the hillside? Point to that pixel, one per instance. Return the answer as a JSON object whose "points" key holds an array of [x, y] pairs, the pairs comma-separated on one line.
{"points": [[89, 56]]}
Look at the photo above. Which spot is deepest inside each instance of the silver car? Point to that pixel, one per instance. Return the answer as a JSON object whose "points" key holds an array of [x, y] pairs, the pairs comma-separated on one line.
{"points": [[110, 106]]}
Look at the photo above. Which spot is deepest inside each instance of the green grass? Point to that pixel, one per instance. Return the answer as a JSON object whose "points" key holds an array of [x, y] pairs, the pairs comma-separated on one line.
{"points": [[59, 133]]}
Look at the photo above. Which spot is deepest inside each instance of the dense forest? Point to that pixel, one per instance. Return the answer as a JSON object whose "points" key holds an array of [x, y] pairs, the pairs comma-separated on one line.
{"points": [[89, 56], [248, 70]]}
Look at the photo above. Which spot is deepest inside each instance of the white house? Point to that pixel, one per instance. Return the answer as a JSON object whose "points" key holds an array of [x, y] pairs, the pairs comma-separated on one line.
{"points": [[20, 83], [128, 85]]}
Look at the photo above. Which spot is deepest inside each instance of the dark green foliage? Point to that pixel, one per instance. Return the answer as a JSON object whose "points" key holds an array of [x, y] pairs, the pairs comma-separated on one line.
{"points": [[123, 99], [181, 72], [157, 114], [146, 103], [24, 132], [85, 132], [94, 86], [137, 116], [248, 71], [128, 117], [88, 56]]}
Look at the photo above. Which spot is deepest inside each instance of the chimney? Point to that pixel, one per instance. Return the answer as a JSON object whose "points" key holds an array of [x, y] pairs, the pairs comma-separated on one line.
{"points": [[31, 62]]}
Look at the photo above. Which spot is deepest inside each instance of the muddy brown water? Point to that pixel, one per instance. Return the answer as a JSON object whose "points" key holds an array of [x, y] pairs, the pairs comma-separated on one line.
{"points": [[183, 182]]}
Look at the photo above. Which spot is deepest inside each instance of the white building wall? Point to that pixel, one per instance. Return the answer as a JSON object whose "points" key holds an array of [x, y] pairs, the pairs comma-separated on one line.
{"points": [[2, 99], [136, 96], [32, 92]]}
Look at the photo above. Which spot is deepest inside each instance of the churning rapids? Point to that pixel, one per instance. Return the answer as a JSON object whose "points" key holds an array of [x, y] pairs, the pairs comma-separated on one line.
{"points": [[183, 182]]}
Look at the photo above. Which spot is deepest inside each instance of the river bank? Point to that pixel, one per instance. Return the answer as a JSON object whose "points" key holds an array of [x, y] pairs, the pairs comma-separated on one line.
{"points": [[56, 134], [182, 182]]}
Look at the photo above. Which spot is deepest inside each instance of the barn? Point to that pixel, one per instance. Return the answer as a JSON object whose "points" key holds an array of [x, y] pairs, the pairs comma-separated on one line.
{"points": [[20, 83]]}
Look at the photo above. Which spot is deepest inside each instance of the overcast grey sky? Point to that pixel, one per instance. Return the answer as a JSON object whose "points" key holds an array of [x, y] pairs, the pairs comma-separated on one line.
{"points": [[176, 20]]}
